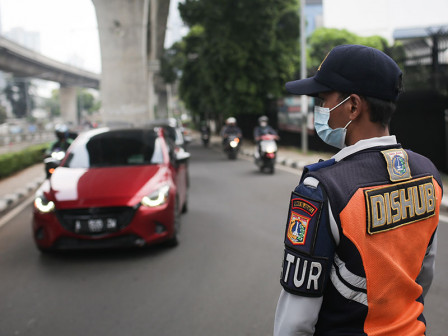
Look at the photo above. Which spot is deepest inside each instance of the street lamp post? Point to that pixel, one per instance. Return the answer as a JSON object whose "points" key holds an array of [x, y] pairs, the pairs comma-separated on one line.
{"points": [[304, 99]]}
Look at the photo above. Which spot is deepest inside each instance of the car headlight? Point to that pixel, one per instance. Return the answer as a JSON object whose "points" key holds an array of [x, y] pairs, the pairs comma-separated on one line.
{"points": [[158, 197], [43, 205]]}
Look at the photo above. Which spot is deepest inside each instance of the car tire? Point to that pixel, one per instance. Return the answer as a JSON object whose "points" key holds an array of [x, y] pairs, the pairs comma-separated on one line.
{"points": [[45, 250], [185, 206], [174, 240]]}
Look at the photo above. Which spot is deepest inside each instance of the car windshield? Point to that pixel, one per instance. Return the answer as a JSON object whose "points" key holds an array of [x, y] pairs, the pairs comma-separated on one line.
{"points": [[116, 148]]}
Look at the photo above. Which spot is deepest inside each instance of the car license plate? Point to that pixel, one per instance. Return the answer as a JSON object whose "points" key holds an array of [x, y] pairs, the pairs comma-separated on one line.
{"points": [[96, 225]]}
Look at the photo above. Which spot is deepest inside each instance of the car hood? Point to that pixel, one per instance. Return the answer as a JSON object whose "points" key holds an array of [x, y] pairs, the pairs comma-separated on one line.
{"points": [[112, 186]]}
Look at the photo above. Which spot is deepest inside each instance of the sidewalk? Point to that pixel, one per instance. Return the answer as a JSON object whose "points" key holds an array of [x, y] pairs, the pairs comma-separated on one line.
{"points": [[15, 188]]}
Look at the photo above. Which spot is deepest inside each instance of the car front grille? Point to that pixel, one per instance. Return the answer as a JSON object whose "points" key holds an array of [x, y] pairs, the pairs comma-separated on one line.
{"points": [[69, 243], [96, 221]]}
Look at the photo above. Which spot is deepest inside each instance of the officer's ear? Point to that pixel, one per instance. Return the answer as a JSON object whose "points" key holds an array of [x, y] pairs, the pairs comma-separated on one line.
{"points": [[357, 106]]}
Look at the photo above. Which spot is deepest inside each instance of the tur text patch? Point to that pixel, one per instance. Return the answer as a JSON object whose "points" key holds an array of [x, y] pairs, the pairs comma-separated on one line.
{"points": [[303, 275]]}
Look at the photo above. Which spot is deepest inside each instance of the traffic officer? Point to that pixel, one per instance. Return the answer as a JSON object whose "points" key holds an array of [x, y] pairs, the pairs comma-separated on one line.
{"points": [[361, 231]]}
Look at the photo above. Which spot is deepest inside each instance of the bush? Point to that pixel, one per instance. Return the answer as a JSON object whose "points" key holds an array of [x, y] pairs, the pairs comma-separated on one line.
{"points": [[13, 162]]}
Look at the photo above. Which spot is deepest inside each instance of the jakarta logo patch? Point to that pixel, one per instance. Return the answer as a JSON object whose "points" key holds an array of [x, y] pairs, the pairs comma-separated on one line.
{"points": [[297, 228], [397, 164]]}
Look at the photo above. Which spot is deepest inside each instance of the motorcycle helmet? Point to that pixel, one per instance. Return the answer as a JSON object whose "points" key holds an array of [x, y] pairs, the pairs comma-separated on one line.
{"points": [[231, 121], [61, 131], [263, 121]]}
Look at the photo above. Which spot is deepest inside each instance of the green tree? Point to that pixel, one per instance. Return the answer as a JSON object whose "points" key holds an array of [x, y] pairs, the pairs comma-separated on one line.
{"points": [[322, 40], [238, 55], [173, 62], [86, 101], [52, 104], [194, 89]]}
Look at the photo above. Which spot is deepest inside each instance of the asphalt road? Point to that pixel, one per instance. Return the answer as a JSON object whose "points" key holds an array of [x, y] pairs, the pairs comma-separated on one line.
{"points": [[223, 278]]}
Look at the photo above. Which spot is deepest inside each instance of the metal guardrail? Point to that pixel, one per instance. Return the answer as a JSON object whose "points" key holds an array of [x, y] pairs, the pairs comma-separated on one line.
{"points": [[10, 139], [14, 142]]}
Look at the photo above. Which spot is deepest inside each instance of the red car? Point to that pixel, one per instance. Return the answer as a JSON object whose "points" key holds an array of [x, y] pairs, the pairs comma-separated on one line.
{"points": [[123, 187]]}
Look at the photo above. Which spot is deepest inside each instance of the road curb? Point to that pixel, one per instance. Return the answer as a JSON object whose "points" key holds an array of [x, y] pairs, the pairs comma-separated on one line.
{"points": [[9, 201]]}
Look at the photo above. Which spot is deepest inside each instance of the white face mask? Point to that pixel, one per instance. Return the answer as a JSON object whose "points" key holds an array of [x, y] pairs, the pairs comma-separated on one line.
{"points": [[333, 137]]}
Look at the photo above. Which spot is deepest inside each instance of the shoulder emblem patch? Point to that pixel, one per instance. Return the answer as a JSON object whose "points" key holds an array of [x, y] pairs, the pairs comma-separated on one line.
{"points": [[297, 228], [302, 210], [397, 164]]}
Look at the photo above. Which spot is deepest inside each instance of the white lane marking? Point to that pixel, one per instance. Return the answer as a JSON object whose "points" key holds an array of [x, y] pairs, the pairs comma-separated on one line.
{"points": [[14, 212]]}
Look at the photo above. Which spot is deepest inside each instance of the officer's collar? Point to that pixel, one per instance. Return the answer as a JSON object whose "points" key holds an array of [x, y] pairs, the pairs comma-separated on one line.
{"points": [[365, 144]]}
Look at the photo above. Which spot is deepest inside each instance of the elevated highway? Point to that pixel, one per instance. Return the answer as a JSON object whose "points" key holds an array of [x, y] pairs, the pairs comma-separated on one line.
{"points": [[24, 62]]}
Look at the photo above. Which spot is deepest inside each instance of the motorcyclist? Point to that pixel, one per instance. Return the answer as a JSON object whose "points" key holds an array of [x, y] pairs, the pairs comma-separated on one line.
{"points": [[205, 133], [205, 128], [230, 128], [263, 128], [63, 140]]}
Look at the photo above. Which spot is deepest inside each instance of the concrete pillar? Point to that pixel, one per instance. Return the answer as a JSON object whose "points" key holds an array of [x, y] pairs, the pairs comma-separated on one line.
{"points": [[123, 29], [68, 103], [160, 9]]}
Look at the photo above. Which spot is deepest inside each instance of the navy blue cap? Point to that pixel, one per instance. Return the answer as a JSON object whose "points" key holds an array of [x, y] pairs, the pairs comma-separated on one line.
{"points": [[353, 69]]}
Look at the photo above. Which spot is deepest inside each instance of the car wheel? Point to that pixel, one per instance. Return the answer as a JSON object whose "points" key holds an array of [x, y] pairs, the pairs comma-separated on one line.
{"points": [[185, 206], [44, 250], [174, 240]]}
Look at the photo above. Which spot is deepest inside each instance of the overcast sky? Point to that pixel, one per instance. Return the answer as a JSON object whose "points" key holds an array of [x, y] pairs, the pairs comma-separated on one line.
{"points": [[381, 17], [68, 28]]}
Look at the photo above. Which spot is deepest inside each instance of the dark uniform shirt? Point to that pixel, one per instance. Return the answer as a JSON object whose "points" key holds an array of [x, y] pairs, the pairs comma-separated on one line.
{"points": [[360, 243]]}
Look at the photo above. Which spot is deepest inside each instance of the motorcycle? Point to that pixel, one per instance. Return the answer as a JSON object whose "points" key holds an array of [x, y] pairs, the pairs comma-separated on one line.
{"points": [[232, 146], [205, 137], [266, 153], [53, 161]]}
